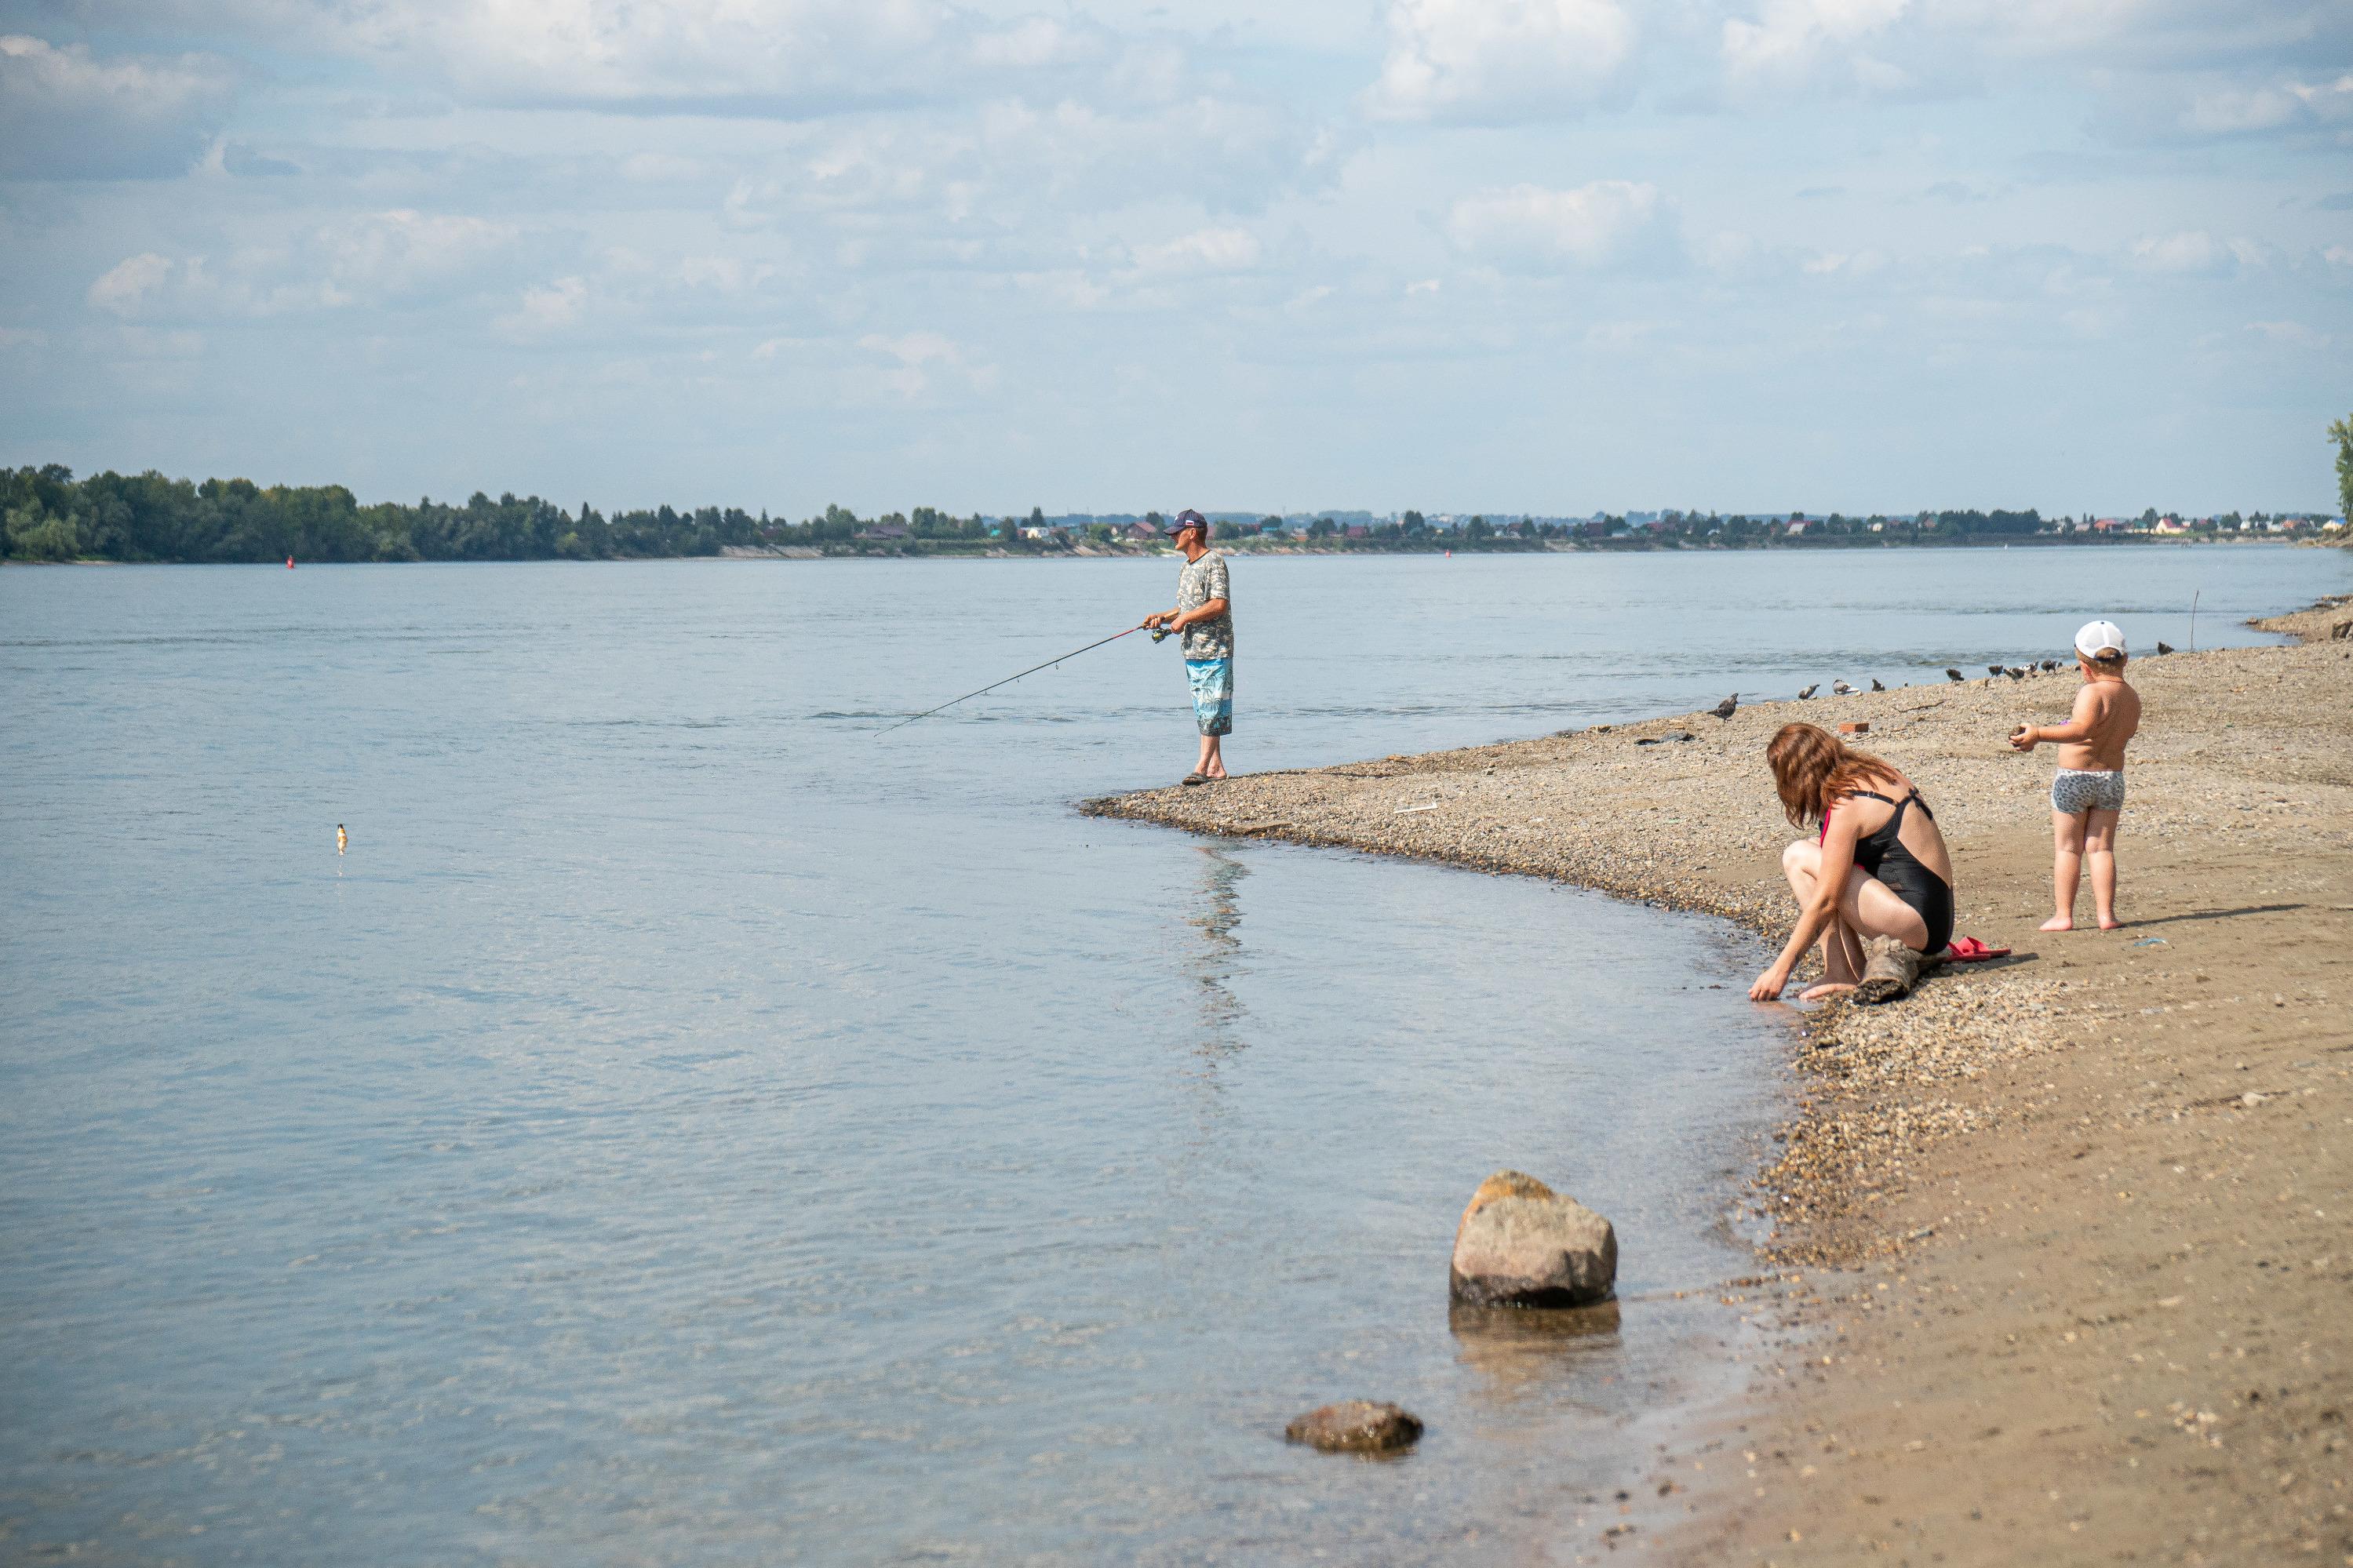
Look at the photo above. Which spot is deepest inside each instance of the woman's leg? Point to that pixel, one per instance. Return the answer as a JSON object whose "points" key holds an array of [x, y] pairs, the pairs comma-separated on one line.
{"points": [[2100, 845], [2066, 869], [1841, 948], [1867, 909]]}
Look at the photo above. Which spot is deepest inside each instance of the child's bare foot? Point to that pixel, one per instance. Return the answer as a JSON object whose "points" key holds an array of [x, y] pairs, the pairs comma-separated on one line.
{"points": [[2110, 923], [1827, 988], [2059, 923]]}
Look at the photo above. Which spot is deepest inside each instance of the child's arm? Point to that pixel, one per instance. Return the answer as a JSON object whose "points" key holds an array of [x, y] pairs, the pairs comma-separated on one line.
{"points": [[2076, 730]]}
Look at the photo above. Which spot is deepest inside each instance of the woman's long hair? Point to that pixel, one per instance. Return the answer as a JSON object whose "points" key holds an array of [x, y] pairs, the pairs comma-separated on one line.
{"points": [[1812, 767]]}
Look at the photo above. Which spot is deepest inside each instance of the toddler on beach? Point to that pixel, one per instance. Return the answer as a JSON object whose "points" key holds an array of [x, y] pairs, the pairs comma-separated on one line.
{"points": [[2087, 794]]}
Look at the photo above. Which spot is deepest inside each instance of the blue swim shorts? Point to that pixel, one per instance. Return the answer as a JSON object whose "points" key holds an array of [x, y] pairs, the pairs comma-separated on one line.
{"points": [[1213, 693]]}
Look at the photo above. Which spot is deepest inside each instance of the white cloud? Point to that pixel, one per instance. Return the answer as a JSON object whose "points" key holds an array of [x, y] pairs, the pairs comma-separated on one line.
{"points": [[2196, 253], [1790, 37], [786, 57], [1499, 61], [2290, 334], [66, 114], [401, 253], [915, 356], [2270, 107], [660, 168], [395, 259], [547, 308], [130, 285], [1605, 224], [1205, 250]]}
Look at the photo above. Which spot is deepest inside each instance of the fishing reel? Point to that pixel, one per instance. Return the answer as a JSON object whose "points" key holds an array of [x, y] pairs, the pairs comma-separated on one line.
{"points": [[1162, 634]]}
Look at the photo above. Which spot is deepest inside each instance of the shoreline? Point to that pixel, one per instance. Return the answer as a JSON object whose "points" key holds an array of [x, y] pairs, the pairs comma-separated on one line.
{"points": [[2057, 1272]]}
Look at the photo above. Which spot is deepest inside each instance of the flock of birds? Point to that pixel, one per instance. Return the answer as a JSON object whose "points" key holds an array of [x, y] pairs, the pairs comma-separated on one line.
{"points": [[1731, 705]]}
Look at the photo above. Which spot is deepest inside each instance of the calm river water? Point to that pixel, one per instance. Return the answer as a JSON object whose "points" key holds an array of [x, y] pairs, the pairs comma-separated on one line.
{"points": [[686, 1128]]}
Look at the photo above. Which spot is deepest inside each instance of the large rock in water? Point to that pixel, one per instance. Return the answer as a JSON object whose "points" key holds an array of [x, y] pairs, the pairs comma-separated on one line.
{"points": [[1523, 1245], [1356, 1427]]}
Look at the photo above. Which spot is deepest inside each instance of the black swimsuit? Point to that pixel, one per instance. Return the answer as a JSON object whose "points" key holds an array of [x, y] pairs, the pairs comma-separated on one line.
{"points": [[1882, 855]]}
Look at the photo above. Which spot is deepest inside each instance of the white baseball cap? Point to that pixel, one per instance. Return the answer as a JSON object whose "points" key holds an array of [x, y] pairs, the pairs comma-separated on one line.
{"points": [[2099, 638]]}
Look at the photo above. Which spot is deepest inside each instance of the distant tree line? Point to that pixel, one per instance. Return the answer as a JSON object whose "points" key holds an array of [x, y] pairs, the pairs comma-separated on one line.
{"points": [[47, 515]]}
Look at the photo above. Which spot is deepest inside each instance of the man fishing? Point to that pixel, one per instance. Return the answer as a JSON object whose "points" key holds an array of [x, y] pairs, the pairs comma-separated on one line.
{"points": [[1204, 619]]}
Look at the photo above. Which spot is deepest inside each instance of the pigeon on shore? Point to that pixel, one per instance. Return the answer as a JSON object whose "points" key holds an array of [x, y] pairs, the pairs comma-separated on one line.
{"points": [[1724, 709], [1842, 689], [1809, 690], [1876, 686], [1993, 670], [2049, 665], [2165, 648], [2015, 673], [1955, 675]]}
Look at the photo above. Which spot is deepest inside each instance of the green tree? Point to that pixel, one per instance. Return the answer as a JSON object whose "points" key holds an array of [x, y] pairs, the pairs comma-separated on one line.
{"points": [[36, 534], [2341, 432]]}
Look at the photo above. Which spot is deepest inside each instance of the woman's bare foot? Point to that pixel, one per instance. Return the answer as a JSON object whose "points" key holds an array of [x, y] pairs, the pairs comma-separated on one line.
{"points": [[2058, 922], [1827, 988]]}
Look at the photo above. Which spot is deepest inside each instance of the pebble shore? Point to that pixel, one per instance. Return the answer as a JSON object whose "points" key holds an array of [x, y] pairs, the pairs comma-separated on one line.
{"points": [[1952, 1154]]}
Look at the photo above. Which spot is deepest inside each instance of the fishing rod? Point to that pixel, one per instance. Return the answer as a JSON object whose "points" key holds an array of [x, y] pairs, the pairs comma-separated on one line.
{"points": [[1157, 633]]}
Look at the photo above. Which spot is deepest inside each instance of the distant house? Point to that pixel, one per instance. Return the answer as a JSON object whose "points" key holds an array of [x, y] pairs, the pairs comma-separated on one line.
{"points": [[1359, 530], [2171, 525], [887, 530], [2107, 524], [1040, 530], [1878, 528], [1796, 526], [1142, 532], [2334, 525]]}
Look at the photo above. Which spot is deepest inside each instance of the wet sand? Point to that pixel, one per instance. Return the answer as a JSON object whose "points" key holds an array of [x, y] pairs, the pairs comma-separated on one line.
{"points": [[2060, 1269]]}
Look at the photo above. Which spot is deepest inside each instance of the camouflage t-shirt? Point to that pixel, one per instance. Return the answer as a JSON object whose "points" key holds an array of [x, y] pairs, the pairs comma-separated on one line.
{"points": [[1200, 582]]}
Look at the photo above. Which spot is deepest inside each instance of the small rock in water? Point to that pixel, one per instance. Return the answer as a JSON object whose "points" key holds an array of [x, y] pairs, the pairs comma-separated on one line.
{"points": [[1357, 1427], [1521, 1245]]}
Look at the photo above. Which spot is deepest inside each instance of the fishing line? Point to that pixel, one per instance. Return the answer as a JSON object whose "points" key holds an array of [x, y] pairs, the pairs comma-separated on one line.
{"points": [[1157, 634]]}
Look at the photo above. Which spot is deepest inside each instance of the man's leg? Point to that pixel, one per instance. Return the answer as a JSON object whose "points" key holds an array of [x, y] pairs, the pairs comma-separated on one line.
{"points": [[2066, 869], [2100, 844], [1213, 705]]}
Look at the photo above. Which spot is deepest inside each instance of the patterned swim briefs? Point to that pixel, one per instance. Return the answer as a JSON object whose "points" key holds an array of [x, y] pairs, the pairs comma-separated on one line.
{"points": [[2075, 791], [1213, 693]]}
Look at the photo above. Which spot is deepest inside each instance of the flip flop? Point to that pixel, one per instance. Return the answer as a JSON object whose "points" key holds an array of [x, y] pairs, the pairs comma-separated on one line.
{"points": [[1969, 950], [1191, 779]]}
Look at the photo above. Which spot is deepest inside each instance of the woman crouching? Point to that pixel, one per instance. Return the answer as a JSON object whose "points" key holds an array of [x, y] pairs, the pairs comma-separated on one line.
{"points": [[1877, 872]]}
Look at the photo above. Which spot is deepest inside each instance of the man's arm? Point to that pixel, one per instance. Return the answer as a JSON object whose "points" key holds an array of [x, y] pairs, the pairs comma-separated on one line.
{"points": [[1208, 612]]}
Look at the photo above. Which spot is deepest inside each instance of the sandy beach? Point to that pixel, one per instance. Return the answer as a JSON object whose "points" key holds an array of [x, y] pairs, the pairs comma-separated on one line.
{"points": [[2058, 1270]]}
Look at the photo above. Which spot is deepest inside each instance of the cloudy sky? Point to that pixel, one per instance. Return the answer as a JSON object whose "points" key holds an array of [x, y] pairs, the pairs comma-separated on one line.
{"points": [[1545, 255]]}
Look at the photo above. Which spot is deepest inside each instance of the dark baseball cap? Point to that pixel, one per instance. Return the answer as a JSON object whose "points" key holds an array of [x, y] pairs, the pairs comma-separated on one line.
{"points": [[1183, 519]]}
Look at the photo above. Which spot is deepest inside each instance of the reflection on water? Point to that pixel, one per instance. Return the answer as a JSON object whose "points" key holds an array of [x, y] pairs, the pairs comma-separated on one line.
{"points": [[1522, 1354], [1216, 960]]}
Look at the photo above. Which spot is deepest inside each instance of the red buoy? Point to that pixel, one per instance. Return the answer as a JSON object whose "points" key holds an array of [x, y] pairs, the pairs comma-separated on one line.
{"points": [[290, 564]]}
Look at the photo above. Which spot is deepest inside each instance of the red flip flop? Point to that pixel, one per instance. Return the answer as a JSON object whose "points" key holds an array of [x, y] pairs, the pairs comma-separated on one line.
{"points": [[1969, 950]]}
